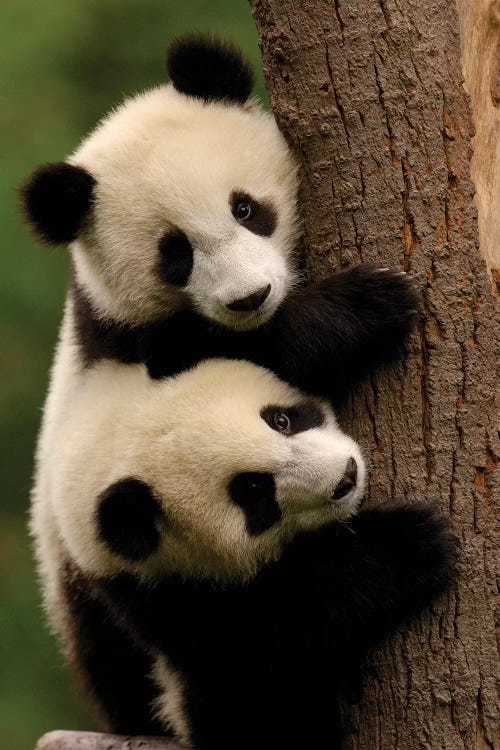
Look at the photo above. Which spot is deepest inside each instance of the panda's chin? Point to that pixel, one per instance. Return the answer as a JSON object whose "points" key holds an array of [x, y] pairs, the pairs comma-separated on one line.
{"points": [[325, 512], [247, 321], [243, 321]]}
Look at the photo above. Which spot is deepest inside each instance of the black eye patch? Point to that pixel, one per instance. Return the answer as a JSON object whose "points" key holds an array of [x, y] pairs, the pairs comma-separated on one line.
{"points": [[301, 417], [127, 518], [261, 218], [255, 493], [176, 258]]}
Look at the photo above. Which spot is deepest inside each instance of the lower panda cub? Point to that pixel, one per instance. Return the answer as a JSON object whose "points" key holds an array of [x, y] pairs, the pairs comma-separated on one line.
{"points": [[209, 575]]}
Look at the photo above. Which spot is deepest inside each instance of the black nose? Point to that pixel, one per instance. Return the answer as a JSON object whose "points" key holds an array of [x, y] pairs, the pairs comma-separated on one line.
{"points": [[348, 481], [252, 302]]}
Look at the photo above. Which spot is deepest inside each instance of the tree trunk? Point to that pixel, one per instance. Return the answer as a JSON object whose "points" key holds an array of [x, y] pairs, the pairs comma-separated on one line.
{"points": [[480, 32], [369, 94]]}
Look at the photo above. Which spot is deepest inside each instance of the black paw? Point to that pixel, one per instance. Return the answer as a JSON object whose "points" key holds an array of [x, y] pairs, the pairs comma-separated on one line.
{"points": [[418, 542], [387, 299], [328, 335]]}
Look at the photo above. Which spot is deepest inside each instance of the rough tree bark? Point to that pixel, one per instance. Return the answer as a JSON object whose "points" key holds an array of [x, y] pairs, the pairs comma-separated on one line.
{"points": [[369, 94]]}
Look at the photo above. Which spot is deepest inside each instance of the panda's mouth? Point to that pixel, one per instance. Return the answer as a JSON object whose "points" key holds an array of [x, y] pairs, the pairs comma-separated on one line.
{"points": [[325, 506], [242, 320], [248, 315], [320, 514], [334, 500]]}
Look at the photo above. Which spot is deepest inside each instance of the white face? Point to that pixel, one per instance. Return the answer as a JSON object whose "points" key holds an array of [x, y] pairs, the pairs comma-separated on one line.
{"points": [[194, 205], [223, 465], [251, 466]]}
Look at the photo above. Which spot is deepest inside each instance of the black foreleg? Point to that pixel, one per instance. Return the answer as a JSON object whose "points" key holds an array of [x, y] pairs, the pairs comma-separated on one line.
{"points": [[264, 660], [113, 669], [362, 581], [330, 334]]}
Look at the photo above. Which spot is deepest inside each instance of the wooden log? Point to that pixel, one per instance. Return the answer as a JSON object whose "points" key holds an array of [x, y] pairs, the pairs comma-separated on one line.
{"points": [[65, 740]]}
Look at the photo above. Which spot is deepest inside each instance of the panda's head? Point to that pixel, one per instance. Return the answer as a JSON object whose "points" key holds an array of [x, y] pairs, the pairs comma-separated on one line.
{"points": [[183, 196], [215, 471]]}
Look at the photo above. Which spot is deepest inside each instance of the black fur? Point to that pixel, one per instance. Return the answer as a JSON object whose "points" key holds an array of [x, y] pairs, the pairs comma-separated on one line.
{"points": [[127, 519], [302, 417], [101, 339], [255, 493], [112, 667], [176, 259], [57, 199], [209, 68], [263, 216], [334, 332], [324, 337], [264, 660]]}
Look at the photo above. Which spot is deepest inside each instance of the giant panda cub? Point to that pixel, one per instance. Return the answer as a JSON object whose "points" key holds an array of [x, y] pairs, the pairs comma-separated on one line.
{"points": [[180, 210], [218, 585], [208, 474]]}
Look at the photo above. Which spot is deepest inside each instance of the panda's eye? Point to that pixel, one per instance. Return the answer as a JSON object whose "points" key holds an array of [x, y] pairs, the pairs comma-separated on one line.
{"points": [[243, 210], [279, 418], [282, 423], [257, 216], [290, 420]]}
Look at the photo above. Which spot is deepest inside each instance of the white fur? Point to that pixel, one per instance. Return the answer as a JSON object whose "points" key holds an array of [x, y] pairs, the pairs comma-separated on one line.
{"points": [[163, 160], [67, 378], [187, 437], [169, 707]]}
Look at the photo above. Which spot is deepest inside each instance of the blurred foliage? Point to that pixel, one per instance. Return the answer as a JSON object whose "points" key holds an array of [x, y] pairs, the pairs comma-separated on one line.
{"points": [[63, 64]]}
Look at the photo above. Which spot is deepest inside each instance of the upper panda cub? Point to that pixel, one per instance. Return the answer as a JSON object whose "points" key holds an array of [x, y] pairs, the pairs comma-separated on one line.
{"points": [[180, 211], [217, 583]]}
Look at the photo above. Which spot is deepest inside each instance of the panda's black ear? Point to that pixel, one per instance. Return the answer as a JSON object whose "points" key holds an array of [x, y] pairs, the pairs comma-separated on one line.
{"points": [[209, 68], [57, 199], [127, 518]]}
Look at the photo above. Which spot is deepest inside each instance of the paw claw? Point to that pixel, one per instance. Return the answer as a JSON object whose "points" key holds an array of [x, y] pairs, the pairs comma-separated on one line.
{"points": [[392, 271]]}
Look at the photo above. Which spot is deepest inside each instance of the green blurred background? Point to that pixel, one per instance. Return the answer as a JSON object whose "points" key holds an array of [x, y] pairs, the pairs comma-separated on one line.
{"points": [[63, 63]]}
